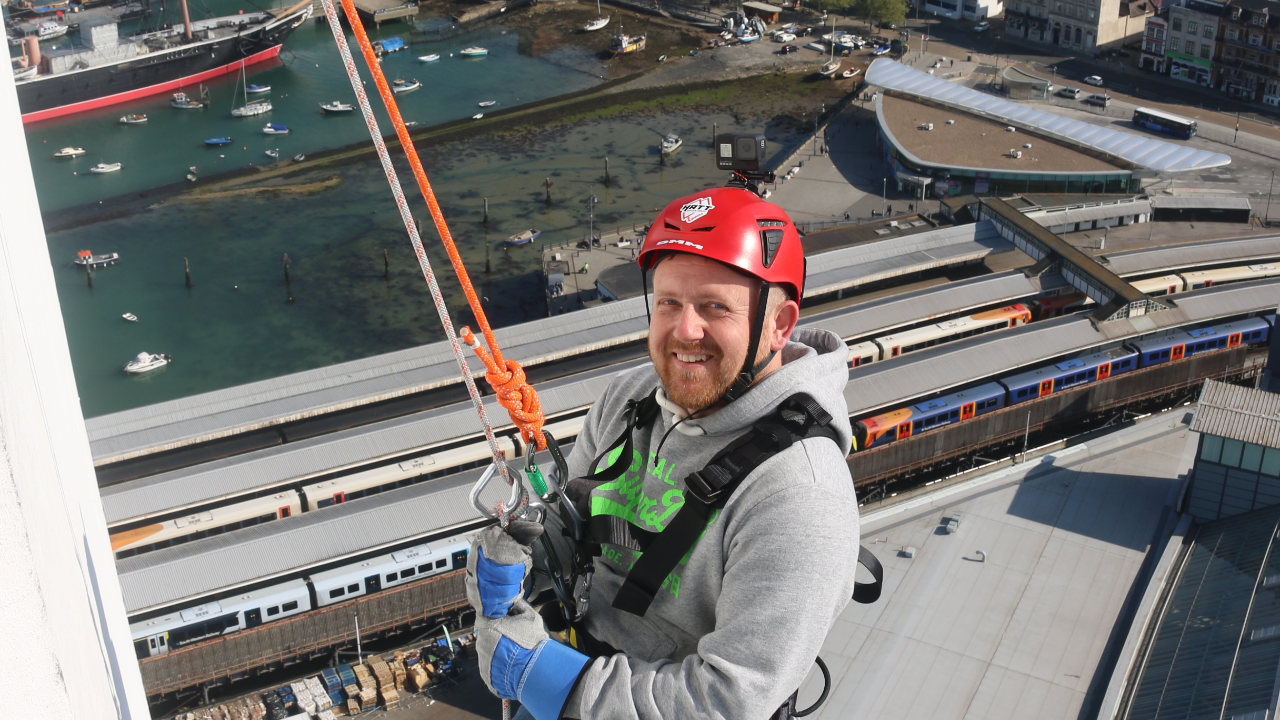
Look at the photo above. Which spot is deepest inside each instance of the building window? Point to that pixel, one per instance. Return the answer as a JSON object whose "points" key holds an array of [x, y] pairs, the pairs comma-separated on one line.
{"points": [[1204, 50], [1176, 24], [1252, 457], [1173, 44], [1191, 27], [1271, 462], [1231, 452], [1255, 40], [1208, 31], [1231, 34], [1211, 449]]}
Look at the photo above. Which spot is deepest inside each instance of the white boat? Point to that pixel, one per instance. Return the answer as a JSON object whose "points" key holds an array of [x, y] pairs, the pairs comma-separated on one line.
{"points": [[400, 85], [273, 153], [133, 119], [130, 317], [429, 58], [599, 22], [524, 237], [487, 103], [275, 129], [146, 362], [829, 68], [851, 72], [671, 143], [104, 167], [337, 106], [473, 51], [48, 30], [256, 89], [22, 73], [250, 108], [299, 157], [477, 116], [86, 258], [69, 152]]}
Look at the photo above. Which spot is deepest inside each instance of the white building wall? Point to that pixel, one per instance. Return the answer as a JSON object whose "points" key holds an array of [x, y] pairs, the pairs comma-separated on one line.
{"points": [[64, 640]]}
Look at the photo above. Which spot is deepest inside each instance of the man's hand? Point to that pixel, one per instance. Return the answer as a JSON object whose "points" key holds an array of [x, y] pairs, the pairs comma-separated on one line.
{"points": [[519, 661], [497, 566]]}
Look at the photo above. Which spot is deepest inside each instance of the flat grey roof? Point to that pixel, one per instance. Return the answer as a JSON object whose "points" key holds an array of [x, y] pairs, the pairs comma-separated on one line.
{"points": [[1049, 217], [1238, 413], [1177, 257], [1146, 152], [1231, 202]]}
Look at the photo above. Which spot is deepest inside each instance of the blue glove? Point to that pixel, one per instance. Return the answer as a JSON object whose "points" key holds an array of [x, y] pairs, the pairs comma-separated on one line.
{"points": [[500, 561], [519, 661]]}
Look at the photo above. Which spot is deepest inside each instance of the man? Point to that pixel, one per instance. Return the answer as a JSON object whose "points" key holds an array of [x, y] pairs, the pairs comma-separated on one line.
{"points": [[736, 624]]}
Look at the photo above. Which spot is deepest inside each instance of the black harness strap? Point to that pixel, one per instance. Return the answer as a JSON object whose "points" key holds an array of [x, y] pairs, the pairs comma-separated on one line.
{"points": [[799, 417]]}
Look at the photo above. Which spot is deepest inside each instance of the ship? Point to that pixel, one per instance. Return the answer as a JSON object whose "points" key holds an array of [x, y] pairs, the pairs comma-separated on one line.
{"points": [[110, 69], [623, 44]]}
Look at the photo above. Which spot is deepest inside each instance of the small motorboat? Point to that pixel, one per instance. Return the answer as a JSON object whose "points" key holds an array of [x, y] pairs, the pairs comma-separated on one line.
{"points": [[105, 167], [299, 157], [146, 362], [130, 317], [400, 85], [334, 107], [255, 107], [218, 141], [275, 129], [273, 153], [851, 72], [671, 143], [133, 119], [256, 89], [86, 258], [487, 103], [429, 58], [477, 116], [473, 51], [69, 152], [182, 101], [524, 237], [48, 30]]}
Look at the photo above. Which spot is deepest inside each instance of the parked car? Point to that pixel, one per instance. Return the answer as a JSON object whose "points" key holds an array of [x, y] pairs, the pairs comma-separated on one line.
{"points": [[982, 26], [1102, 99], [1069, 92], [1094, 80], [786, 49], [784, 37]]}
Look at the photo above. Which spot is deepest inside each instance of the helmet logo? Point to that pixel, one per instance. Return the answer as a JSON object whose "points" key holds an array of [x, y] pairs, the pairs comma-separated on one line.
{"points": [[695, 209], [678, 241]]}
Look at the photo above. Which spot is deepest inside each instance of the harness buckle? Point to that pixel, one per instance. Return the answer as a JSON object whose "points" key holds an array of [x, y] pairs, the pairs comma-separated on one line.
{"points": [[707, 490], [582, 596]]}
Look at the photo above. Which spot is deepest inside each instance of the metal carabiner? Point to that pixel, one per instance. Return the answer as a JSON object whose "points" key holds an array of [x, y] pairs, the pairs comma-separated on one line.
{"points": [[517, 501]]}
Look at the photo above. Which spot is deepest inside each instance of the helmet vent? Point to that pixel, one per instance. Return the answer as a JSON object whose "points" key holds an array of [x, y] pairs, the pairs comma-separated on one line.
{"points": [[771, 223], [770, 241]]}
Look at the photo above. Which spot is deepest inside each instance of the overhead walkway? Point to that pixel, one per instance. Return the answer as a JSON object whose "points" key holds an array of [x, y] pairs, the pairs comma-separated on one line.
{"points": [[1116, 298]]}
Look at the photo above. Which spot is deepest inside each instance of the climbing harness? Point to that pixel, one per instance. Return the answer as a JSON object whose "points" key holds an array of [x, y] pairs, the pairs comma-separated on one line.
{"points": [[799, 417]]}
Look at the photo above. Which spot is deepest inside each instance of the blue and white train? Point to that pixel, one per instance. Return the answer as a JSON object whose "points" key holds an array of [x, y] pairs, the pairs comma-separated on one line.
{"points": [[1147, 351], [158, 635]]}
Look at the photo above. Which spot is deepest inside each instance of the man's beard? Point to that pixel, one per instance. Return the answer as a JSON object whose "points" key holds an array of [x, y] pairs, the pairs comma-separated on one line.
{"points": [[696, 388]]}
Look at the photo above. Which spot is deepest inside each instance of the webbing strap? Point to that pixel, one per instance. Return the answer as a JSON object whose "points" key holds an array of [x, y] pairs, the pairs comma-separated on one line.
{"points": [[799, 417]]}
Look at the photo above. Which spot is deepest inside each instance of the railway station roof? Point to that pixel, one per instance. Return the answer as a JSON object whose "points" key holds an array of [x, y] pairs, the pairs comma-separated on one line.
{"points": [[1179, 257], [1239, 413], [1147, 152], [1091, 212]]}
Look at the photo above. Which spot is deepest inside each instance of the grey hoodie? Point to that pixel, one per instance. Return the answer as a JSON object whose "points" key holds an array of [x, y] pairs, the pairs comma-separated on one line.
{"points": [[737, 625]]}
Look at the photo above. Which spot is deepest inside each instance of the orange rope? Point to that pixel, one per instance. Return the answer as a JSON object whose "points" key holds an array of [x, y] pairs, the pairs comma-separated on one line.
{"points": [[505, 375]]}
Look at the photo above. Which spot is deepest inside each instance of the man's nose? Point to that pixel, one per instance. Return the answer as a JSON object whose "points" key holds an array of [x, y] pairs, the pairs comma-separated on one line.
{"points": [[689, 326]]}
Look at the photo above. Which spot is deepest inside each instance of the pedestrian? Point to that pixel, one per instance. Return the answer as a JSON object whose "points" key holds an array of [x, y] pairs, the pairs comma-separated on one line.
{"points": [[726, 621]]}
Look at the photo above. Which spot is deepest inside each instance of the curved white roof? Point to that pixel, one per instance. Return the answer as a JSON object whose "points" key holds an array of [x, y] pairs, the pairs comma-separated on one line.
{"points": [[1147, 152]]}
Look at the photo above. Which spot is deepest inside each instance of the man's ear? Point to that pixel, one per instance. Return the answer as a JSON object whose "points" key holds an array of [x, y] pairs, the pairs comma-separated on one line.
{"points": [[785, 317]]}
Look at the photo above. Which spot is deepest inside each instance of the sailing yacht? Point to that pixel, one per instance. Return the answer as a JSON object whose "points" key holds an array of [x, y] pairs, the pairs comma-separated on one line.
{"points": [[250, 108], [600, 21], [832, 66]]}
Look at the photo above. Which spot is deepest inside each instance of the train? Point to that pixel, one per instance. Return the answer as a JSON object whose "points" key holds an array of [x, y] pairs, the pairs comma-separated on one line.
{"points": [[906, 341], [1093, 366], [184, 626], [1168, 284]]}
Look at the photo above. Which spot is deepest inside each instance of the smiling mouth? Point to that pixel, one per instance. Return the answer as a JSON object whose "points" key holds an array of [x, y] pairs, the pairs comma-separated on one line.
{"points": [[691, 357]]}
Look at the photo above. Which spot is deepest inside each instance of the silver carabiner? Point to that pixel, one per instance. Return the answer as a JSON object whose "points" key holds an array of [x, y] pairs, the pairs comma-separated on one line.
{"points": [[503, 513]]}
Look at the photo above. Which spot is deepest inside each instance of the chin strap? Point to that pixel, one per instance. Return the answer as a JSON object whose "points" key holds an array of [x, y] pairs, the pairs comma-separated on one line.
{"points": [[749, 372]]}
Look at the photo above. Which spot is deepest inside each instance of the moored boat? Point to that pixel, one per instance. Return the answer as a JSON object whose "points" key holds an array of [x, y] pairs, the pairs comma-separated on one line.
{"points": [[86, 258], [110, 69], [69, 152], [299, 157], [429, 58], [596, 24], [256, 89], [255, 107], [851, 72], [146, 362], [623, 44], [670, 143], [133, 119], [473, 51], [130, 317], [275, 129], [487, 103], [272, 153], [335, 107], [400, 85], [105, 167], [183, 101], [829, 68], [218, 141], [524, 237]]}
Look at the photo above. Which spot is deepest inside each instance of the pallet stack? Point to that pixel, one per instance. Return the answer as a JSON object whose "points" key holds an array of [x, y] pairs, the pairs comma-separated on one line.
{"points": [[386, 681], [368, 693]]}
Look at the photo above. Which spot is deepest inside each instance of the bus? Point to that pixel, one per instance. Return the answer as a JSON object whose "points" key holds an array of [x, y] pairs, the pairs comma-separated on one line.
{"points": [[1164, 122]]}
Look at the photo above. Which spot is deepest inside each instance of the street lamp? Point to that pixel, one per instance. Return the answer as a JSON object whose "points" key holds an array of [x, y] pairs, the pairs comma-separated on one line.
{"points": [[884, 184]]}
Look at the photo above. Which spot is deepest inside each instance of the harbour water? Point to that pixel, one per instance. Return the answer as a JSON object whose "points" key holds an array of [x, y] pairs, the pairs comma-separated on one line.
{"points": [[240, 321]]}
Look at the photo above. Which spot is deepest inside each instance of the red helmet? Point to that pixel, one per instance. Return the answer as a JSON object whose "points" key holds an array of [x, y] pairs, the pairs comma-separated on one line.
{"points": [[734, 226]]}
